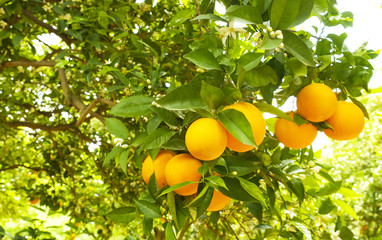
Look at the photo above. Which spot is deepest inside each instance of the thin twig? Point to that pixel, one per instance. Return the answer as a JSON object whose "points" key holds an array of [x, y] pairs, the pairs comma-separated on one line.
{"points": [[48, 27], [184, 229]]}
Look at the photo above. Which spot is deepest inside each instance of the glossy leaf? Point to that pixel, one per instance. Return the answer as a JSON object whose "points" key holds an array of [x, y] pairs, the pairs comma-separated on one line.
{"points": [[123, 158], [148, 209], [204, 59], [297, 47], [122, 215], [117, 128], [253, 190], [237, 124], [169, 232], [182, 98], [283, 13], [246, 14], [265, 107], [157, 138], [176, 186], [346, 208], [212, 96], [261, 76], [134, 106], [250, 60]]}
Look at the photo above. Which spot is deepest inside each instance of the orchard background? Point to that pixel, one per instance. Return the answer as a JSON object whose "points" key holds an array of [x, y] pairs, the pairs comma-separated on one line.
{"points": [[123, 80]]}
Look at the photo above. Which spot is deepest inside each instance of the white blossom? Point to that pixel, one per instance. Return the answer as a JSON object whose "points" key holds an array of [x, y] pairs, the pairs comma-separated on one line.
{"points": [[224, 32]]}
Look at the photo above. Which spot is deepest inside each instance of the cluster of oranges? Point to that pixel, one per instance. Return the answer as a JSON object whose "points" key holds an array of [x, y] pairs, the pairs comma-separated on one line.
{"points": [[318, 103], [206, 139]]}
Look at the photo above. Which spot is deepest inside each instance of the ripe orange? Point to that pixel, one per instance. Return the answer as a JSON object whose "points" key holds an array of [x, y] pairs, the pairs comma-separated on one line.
{"points": [[294, 136], [34, 201], [347, 122], [316, 102], [218, 201], [158, 166], [182, 168], [255, 118], [206, 139]]}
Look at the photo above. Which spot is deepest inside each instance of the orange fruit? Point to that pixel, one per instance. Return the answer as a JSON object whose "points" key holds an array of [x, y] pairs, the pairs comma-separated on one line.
{"points": [[316, 102], [158, 166], [347, 122], [34, 201], [294, 136], [218, 201], [182, 168], [206, 139], [255, 118]]}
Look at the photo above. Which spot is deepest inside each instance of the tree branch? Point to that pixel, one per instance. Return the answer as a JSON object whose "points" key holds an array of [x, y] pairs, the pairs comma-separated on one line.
{"points": [[28, 63], [17, 166], [72, 99], [50, 29], [35, 126], [86, 111]]}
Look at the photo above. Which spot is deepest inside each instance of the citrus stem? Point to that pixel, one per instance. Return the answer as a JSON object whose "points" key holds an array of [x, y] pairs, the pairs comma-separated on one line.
{"points": [[184, 229]]}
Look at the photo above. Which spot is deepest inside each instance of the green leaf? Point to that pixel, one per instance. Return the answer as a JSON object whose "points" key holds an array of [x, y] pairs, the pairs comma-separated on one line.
{"points": [[256, 209], [134, 106], [297, 188], [148, 209], [326, 206], [117, 128], [147, 226], [199, 198], [203, 58], [297, 68], [346, 208], [240, 165], [283, 13], [209, 16], [175, 144], [270, 43], [302, 228], [172, 206], [261, 76], [297, 47], [216, 181], [176, 186], [169, 117], [238, 125], [305, 9], [103, 19], [182, 98], [181, 16], [122, 215], [205, 202], [16, 40], [265, 107], [253, 190], [169, 232], [157, 138], [250, 60], [4, 34], [246, 14], [123, 158], [361, 106], [236, 191], [212, 96], [346, 233], [111, 155], [349, 193]]}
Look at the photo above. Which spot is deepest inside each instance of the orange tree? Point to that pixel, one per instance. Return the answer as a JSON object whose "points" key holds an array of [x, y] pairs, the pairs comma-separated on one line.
{"points": [[118, 81]]}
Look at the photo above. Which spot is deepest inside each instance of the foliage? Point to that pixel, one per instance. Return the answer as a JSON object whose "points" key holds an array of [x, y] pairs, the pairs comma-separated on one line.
{"points": [[143, 72], [358, 166]]}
